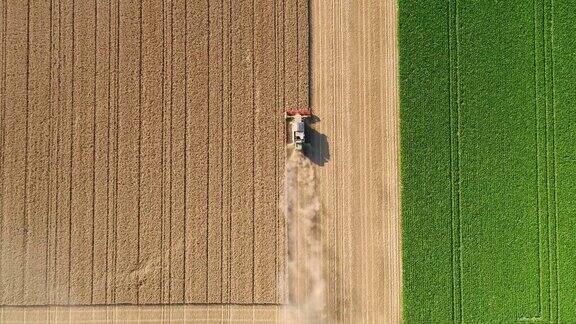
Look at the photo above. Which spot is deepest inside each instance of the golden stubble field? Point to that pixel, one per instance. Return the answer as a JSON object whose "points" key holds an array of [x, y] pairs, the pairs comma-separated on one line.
{"points": [[355, 94]]}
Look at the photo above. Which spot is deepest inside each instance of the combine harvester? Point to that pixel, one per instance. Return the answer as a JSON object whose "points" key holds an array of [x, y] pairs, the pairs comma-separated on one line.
{"points": [[296, 128]]}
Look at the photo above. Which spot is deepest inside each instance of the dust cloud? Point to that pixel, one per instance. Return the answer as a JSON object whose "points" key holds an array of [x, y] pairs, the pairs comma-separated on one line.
{"points": [[304, 282]]}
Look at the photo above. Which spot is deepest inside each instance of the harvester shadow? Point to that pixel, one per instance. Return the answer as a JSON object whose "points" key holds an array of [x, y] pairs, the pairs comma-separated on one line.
{"points": [[319, 150]]}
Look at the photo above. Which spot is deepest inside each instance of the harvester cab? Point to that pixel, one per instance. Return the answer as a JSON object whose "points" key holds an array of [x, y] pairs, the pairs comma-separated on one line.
{"points": [[296, 128]]}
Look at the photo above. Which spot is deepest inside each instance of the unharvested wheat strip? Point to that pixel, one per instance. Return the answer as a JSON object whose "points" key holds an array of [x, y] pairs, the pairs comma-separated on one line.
{"points": [[303, 47], [215, 151], [62, 280], [128, 154], [101, 162], [280, 150], [178, 125], [226, 157], [197, 146], [14, 153], [242, 177], [38, 154], [290, 21], [112, 172], [151, 155], [82, 154], [291, 54], [265, 281], [53, 185], [166, 149]]}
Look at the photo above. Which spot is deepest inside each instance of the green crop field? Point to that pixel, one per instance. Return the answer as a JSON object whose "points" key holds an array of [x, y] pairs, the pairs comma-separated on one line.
{"points": [[488, 130]]}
